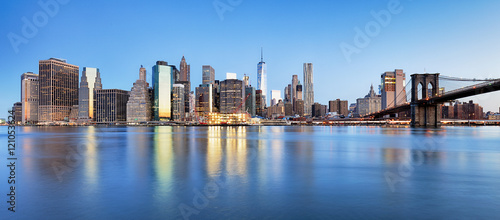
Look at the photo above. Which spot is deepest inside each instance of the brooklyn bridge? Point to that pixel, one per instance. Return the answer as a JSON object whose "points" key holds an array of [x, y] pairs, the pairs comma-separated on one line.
{"points": [[422, 98]]}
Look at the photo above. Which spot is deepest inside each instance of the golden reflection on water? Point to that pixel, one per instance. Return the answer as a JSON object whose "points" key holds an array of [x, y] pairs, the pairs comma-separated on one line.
{"points": [[214, 150], [90, 156], [163, 157]]}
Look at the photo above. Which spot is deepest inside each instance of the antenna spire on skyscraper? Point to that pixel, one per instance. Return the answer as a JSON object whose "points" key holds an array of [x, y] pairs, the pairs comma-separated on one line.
{"points": [[261, 55]]}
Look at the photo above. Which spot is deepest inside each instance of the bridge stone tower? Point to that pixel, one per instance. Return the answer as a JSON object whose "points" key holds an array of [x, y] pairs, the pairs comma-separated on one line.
{"points": [[425, 113]]}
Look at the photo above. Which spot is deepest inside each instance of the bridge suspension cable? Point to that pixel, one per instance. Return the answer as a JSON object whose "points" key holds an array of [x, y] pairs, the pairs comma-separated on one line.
{"points": [[451, 78]]}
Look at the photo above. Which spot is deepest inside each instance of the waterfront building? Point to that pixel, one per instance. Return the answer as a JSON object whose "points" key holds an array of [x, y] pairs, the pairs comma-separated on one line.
{"points": [[178, 103], [448, 111], [262, 77], [90, 81], [58, 89], [295, 82], [275, 97], [393, 88], [139, 103], [308, 88], [73, 115], [208, 76], [29, 98], [259, 104], [298, 96], [319, 110], [111, 105], [204, 99], [468, 111], [339, 106], [299, 107], [288, 109], [17, 109], [250, 102], [369, 104], [276, 111], [163, 78], [231, 96]]}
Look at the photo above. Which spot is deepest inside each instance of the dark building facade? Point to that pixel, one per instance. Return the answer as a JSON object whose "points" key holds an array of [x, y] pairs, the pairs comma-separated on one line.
{"points": [[111, 105], [231, 96], [250, 107], [318, 110], [299, 107], [17, 109], [468, 111], [259, 104], [339, 106], [58, 89]]}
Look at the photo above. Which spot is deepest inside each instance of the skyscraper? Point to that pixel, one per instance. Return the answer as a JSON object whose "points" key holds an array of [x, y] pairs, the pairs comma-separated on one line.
{"points": [[298, 108], [262, 77], [295, 82], [393, 88], [29, 98], [308, 88], [139, 102], [208, 74], [204, 99], [231, 96], [185, 79], [58, 89], [250, 106], [90, 81], [163, 78], [111, 105], [178, 103]]}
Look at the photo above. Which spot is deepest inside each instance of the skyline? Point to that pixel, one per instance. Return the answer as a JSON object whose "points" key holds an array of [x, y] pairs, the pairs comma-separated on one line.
{"points": [[117, 43]]}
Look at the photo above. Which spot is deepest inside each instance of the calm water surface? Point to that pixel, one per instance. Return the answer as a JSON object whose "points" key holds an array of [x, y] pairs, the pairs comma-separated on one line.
{"points": [[255, 173]]}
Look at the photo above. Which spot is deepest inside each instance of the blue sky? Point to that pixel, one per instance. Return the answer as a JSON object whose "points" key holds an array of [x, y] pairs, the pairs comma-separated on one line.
{"points": [[455, 38]]}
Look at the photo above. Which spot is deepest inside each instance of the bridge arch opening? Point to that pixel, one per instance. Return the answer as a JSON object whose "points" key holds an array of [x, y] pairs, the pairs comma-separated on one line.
{"points": [[430, 90], [421, 92]]}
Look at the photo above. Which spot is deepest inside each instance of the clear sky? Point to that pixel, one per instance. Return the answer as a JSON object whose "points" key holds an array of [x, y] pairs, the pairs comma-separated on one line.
{"points": [[454, 38]]}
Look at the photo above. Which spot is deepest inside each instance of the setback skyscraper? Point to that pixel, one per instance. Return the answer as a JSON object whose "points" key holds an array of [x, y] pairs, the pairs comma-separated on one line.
{"points": [[58, 84], [90, 81], [185, 79], [29, 98], [308, 88], [139, 102]]}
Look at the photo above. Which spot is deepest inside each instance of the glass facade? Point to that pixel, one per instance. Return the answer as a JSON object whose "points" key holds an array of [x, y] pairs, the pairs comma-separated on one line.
{"points": [[208, 76], [162, 86], [58, 89], [262, 79]]}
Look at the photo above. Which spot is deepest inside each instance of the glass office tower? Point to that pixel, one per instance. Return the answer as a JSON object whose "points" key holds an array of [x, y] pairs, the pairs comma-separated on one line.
{"points": [[162, 90]]}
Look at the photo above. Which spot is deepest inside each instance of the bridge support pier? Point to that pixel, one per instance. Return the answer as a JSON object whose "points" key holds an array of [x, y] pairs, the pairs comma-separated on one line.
{"points": [[426, 115]]}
